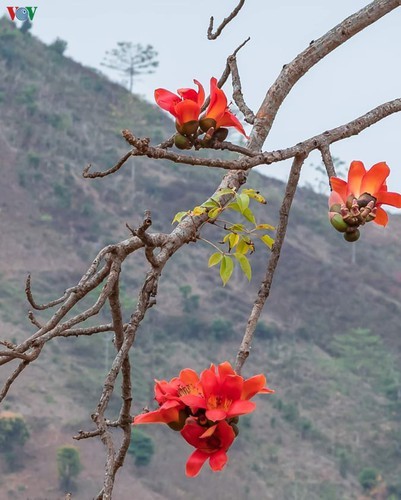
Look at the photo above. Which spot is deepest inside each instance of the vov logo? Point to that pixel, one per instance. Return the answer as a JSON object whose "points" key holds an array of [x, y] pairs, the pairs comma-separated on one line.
{"points": [[22, 13]]}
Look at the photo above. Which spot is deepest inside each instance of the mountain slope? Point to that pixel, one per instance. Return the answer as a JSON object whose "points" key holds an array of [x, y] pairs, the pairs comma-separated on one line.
{"points": [[332, 414]]}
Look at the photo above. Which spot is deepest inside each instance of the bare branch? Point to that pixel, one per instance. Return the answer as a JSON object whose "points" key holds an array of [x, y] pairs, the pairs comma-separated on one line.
{"points": [[112, 170], [328, 160], [237, 91], [265, 287], [316, 51], [217, 33]]}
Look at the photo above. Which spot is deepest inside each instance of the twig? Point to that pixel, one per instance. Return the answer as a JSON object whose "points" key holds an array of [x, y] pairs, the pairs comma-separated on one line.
{"points": [[314, 53], [265, 287], [328, 160], [115, 168], [226, 20], [237, 91]]}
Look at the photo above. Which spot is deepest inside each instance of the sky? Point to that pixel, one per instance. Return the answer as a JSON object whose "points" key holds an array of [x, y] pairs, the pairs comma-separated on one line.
{"points": [[358, 76]]}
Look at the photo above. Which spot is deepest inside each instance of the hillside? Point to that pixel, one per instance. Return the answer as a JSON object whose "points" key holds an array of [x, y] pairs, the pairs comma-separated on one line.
{"points": [[329, 340]]}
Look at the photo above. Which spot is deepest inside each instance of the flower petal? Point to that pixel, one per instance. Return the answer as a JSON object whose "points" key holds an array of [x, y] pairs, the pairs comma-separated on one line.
{"points": [[375, 178], [226, 434], [195, 462], [209, 382], [339, 186], [218, 460], [231, 387], [193, 401], [225, 369], [230, 120], [157, 417], [253, 386], [240, 408], [381, 217], [388, 198], [167, 100], [218, 101], [186, 111], [335, 198], [188, 376], [216, 415], [355, 174]]}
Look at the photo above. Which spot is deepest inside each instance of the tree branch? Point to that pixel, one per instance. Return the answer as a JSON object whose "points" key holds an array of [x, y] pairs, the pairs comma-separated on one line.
{"points": [[217, 33], [265, 287]]}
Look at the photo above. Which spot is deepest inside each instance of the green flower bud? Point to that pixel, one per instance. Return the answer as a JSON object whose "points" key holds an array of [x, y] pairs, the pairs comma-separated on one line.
{"points": [[335, 208], [352, 235], [189, 128], [338, 223], [207, 123], [182, 142]]}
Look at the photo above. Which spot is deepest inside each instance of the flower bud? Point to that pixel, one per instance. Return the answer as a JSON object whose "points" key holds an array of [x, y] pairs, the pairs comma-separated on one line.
{"points": [[338, 223], [335, 208], [352, 235], [182, 142], [207, 123], [189, 128], [177, 425], [221, 134]]}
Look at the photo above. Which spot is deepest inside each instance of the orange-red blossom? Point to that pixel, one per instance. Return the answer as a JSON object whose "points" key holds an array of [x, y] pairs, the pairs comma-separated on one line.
{"points": [[360, 199], [206, 410], [186, 108]]}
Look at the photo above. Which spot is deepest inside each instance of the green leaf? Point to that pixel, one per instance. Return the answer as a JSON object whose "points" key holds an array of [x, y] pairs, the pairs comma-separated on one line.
{"points": [[248, 214], [243, 201], [267, 240], [265, 226], [210, 203], [214, 212], [234, 206], [214, 259], [237, 227], [224, 191], [226, 269], [245, 264], [179, 216]]}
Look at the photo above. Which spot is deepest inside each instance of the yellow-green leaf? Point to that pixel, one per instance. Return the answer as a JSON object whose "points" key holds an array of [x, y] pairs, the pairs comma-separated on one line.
{"points": [[237, 227], [265, 226], [179, 216], [248, 214], [245, 264], [198, 211], [243, 201], [267, 240], [233, 239], [242, 247], [226, 269], [254, 195], [214, 259], [224, 191], [210, 203], [214, 212], [234, 205]]}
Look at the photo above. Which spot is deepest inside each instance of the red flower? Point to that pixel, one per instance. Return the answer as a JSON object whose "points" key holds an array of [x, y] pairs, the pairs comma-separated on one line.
{"points": [[168, 395], [225, 394], [219, 111], [211, 444], [185, 107], [361, 183]]}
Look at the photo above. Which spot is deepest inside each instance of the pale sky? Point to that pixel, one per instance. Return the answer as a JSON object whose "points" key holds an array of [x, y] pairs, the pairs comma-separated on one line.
{"points": [[358, 76]]}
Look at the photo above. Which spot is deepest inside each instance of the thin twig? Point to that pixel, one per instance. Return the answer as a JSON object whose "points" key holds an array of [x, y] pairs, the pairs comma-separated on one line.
{"points": [[226, 20], [265, 287], [237, 92], [328, 160]]}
